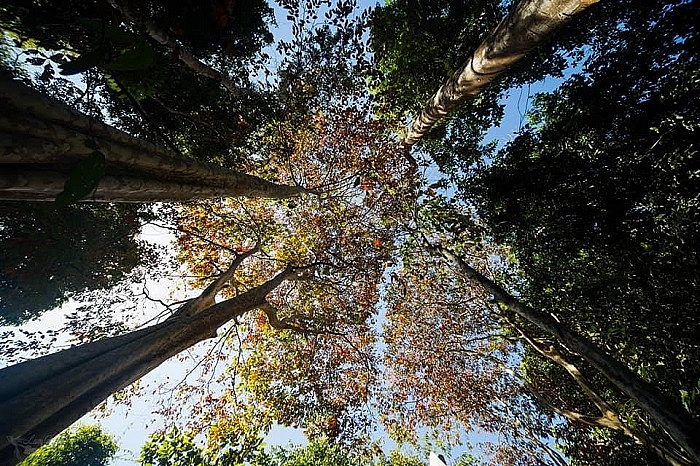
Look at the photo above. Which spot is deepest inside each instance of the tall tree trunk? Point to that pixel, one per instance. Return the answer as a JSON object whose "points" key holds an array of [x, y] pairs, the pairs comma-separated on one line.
{"points": [[42, 140], [675, 420], [41, 397], [608, 418], [528, 25]]}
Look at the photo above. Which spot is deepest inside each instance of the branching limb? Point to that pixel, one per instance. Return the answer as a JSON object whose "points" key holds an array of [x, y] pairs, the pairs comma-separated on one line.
{"points": [[287, 322], [206, 299], [553, 354], [670, 415], [163, 38], [195, 234], [609, 418]]}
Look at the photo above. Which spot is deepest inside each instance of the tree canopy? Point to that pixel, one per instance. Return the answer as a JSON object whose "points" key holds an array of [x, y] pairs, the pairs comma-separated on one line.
{"points": [[48, 254], [539, 290], [82, 446]]}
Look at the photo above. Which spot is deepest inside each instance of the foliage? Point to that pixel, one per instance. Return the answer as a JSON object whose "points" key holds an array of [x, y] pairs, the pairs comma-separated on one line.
{"points": [[238, 29], [450, 364], [172, 448], [598, 199], [297, 375], [320, 452], [324, 140], [47, 255], [228, 444], [180, 449], [137, 83], [83, 446], [234, 28]]}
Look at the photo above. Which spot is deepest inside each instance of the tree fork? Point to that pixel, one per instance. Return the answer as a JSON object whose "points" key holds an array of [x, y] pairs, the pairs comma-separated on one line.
{"points": [[41, 397]]}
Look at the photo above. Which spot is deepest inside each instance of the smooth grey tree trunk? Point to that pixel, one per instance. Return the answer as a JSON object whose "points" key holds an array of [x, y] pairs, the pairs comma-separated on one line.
{"points": [[42, 141], [527, 26], [41, 397], [675, 420]]}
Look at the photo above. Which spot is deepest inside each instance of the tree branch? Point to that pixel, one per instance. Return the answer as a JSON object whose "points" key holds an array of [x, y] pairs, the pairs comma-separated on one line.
{"points": [[285, 323], [159, 35], [679, 424], [206, 299]]}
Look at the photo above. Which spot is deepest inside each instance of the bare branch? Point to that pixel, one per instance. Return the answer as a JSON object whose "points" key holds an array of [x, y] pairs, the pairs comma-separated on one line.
{"points": [[286, 323]]}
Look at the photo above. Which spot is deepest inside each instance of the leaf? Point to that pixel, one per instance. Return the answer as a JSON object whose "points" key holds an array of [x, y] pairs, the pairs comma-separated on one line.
{"points": [[119, 38], [57, 57], [36, 61], [115, 35], [83, 180], [137, 58], [84, 62]]}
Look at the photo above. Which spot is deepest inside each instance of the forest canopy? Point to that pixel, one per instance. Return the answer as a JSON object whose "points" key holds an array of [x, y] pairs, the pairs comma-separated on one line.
{"points": [[344, 274]]}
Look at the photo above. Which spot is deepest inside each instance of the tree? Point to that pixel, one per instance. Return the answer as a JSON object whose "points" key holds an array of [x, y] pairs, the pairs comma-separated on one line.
{"points": [[182, 449], [320, 452], [81, 377], [309, 347], [48, 394], [231, 443], [172, 448], [106, 163], [604, 54], [529, 24], [680, 425], [232, 34], [324, 252], [450, 364], [601, 222], [82, 446]]}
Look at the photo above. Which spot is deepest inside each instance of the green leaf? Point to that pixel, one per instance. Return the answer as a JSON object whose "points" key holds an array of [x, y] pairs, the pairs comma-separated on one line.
{"points": [[103, 31], [136, 58], [84, 62], [83, 180]]}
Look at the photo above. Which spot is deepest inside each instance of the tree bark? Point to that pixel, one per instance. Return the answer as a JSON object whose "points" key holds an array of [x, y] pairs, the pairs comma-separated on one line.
{"points": [[42, 140], [528, 25], [675, 420], [42, 397]]}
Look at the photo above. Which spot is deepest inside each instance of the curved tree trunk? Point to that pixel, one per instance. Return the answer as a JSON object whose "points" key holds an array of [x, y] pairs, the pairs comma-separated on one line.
{"points": [[42, 397], [675, 420], [42, 140], [531, 23]]}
